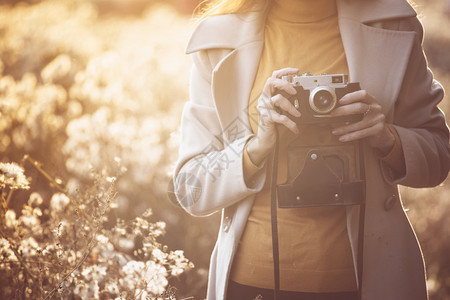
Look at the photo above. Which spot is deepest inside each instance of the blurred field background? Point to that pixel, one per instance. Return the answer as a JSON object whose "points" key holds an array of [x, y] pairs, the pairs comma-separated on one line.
{"points": [[87, 83]]}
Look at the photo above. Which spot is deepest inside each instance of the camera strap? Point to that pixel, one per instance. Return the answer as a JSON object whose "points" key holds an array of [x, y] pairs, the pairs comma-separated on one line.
{"points": [[273, 220], [362, 214], [274, 223]]}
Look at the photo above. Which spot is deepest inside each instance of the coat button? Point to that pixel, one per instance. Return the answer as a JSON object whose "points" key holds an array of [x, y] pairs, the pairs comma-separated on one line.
{"points": [[390, 202], [226, 224]]}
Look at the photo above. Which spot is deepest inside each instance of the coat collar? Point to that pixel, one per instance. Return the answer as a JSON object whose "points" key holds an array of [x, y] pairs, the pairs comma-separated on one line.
{"points": [[365, 46], [229, 31], [368, 11], [241, 29]]}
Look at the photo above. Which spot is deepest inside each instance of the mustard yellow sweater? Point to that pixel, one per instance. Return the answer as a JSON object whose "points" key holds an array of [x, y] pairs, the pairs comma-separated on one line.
{"points": [[315, 254]]}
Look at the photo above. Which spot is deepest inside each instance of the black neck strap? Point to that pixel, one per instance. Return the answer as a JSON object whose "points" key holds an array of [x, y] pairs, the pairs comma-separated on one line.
{"points": [[273, 218]]}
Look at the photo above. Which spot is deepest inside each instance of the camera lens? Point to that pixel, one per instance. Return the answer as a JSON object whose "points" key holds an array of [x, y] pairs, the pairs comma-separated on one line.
{"points": [[322, 100]]}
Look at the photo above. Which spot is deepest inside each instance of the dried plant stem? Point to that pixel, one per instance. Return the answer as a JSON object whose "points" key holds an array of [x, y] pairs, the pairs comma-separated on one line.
{"points": [[21, 261], [89, 247], [88, 250], [36, 165], [3, 208], [53, 183], [28, 262], [8, 198]]}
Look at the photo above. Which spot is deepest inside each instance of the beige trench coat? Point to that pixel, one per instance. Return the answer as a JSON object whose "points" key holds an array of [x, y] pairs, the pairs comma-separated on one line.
{"points": [[382, 40]]}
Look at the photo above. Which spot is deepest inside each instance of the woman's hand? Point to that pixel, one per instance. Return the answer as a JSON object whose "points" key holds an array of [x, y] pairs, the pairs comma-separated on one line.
{"points": [[372, 126], [269, 106]]}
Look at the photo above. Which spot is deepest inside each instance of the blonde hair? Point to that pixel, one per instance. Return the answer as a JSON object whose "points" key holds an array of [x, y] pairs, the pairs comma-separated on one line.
{"points": [[208, 8]]}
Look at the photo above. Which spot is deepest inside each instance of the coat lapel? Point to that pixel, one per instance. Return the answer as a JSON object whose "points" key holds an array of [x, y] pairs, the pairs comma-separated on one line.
{"points": [[233, 77], [376, 57], [232, 83]]}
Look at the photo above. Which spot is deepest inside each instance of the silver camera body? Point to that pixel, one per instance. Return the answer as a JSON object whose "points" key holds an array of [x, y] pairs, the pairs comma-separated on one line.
{"points": [[318, 95]]}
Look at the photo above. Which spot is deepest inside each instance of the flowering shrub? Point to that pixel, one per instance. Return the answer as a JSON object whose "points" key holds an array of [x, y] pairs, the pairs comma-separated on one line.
{"points": [[91, 103], [79, 90], [60, 247]]}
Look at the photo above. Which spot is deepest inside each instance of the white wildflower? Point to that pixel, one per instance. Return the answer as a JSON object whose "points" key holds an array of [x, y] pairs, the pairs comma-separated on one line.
{"points": [[59, 202], [37, 212], [10, 218], [81, 290], [159, 228], [5, 249], [147, 213], [114, 204], [29, 246], [155, 277], [159, 255], [94, 272], [112, 288], [29, 220], [11, 174], [120, 230], [126, 244], [133, 267], [35, 199], [179, 262], [102, 239]]}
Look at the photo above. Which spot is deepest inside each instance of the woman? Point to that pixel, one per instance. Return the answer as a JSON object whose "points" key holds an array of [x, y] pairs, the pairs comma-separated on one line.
{"points": [[238, 108]]}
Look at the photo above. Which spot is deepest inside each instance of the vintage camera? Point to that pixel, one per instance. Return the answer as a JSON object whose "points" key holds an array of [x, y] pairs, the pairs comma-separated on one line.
{"points": [[321, 170], [318, 95]]}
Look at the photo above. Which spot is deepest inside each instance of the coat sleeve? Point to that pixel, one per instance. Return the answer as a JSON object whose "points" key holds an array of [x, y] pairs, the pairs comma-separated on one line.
{"points": [[419, 122], [208, 175]]}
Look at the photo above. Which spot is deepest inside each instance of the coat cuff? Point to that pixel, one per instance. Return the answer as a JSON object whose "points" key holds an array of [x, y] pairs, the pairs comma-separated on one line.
{"points": [[395, 159], [250, 168], [393, 165]]}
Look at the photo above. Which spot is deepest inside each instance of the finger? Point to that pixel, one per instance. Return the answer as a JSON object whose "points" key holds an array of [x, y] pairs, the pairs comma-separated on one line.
{"points": [[350, 109], [285, 105], [284, 72], [357, 96], [284, 120], [265, 101], [361, 125], [268, 117], [275, 84], [357, 108], [360, 134]]}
